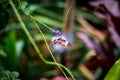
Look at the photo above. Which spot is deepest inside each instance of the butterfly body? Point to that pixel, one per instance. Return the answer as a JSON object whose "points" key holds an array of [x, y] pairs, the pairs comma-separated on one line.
{"points": [[62, 42]]}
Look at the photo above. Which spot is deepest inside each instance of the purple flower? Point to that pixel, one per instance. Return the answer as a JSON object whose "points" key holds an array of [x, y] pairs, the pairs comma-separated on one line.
{"points": [[58, 32]]}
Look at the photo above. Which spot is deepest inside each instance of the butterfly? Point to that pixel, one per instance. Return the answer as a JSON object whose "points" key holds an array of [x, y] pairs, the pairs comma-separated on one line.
{"points": [[62, 42]]}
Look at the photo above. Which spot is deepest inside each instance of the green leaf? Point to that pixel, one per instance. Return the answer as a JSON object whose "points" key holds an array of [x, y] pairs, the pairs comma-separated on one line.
{"points": [[38, 37], [26, 11], [5, 78], [10, 48], [48, 21], [14, 75], [45, 12], [114, 72], [3, 54], [91, 17], [7, 72], [50, 73], [8, 75], [23, 4]]}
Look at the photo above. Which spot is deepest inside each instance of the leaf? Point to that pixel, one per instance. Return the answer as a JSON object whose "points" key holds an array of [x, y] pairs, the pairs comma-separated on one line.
{"points": [[7, 72], [8, 75], [50, 73], [2, 52], [48, 21], [89, 16], [5, 78], [92, 44], [44, 12], [115, 35], [10, 48], [111, 6], [114, 72], [112, 16], [14, 75], [23, 4]]}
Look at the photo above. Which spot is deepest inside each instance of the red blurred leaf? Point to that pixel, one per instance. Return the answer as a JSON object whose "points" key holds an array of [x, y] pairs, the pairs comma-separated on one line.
{"points": [[111, 6], [112, 16]]}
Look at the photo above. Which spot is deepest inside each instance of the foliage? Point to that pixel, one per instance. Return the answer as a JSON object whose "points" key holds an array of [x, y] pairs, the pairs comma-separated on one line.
{"points": [[8, 75], [114, 70], [96, 39]]}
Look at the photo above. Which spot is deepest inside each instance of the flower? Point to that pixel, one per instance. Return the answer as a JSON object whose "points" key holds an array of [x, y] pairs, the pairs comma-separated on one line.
{"points": [[58, 33]]}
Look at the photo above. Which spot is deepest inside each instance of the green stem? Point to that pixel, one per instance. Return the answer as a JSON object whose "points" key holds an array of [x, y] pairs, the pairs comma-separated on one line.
{"points": [[66, 17], [44, 25], [26, 30], [33, 42]]}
